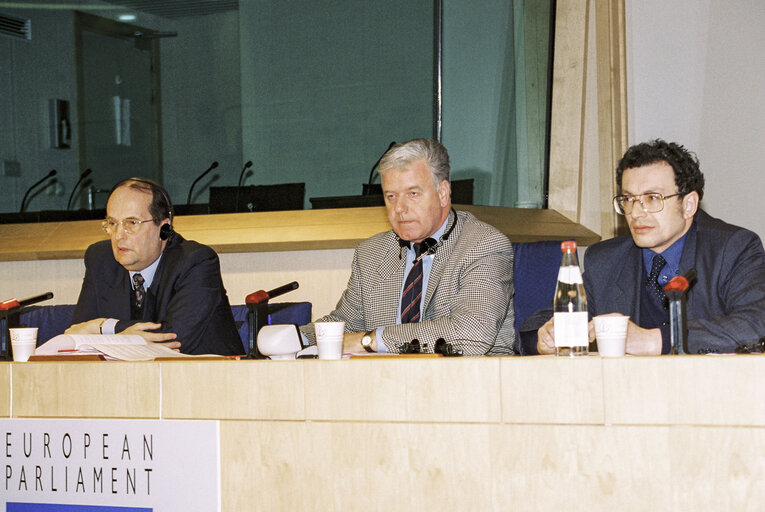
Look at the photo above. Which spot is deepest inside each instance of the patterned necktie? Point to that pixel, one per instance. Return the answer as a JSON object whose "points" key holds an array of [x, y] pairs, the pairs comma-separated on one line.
{"points": [[654, 288], [410, 299], [140, 291]]}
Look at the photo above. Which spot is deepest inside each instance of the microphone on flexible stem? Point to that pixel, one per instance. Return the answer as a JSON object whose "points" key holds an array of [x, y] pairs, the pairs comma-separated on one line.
{"points": [[11, 305], [84, 175], [368, 188], [261, 296], [239, 183], [257, 316], [24, 200], [677, 291], [212, 166]]}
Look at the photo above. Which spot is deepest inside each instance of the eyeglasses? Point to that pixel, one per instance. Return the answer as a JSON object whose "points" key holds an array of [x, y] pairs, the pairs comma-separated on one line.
{"points": [[131, 225], [651, 203]]}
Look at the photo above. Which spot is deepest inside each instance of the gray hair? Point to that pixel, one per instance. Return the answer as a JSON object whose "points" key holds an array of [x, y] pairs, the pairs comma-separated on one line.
{"points": [[435, 155]]}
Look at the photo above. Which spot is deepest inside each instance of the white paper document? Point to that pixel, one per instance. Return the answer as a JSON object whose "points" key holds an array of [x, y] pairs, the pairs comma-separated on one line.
{"points": [[124, 347]]}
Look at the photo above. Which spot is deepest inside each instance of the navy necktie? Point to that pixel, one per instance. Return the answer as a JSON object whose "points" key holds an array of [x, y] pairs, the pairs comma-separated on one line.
{"points": [[139, 290], [654, 288], [410, 298]]}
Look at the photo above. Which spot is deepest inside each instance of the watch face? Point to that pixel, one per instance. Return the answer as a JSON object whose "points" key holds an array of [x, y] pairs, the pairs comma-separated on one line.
{"points": [[366, 341]]}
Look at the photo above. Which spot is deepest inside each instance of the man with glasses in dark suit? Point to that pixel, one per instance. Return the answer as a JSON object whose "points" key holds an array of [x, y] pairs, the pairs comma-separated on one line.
{"points": [[148, 280], [661, 188]]}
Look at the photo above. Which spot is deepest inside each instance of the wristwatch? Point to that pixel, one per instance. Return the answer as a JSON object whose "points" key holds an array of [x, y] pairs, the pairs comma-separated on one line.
{"points": [[366, 341]]}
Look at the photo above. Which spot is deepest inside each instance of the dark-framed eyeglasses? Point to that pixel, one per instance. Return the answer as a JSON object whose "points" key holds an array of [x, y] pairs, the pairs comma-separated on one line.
{"points": [[651, 203], [131, 225]]}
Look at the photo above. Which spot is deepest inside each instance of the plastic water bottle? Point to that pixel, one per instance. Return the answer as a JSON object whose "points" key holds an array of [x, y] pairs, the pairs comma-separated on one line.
{"points": [[570, 306]]}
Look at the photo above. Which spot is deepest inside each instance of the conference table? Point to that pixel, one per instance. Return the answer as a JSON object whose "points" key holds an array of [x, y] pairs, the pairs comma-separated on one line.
{"points": [[414, 433]]}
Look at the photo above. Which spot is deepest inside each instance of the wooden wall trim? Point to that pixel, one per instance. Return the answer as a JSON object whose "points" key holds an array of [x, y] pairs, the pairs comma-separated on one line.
{"points": [[612, 105], [567, 120], [277, 231]]}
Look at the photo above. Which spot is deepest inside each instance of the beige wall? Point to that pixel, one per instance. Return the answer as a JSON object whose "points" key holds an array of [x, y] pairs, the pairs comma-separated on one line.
{"points": [[695, 76]]}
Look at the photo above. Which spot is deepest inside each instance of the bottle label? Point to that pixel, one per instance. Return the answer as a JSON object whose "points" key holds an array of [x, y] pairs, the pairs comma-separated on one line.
{"points": [[571, 329], [570, 275]]}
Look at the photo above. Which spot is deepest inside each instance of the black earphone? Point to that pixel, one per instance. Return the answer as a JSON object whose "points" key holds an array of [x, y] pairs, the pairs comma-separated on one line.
{"points": [[166, 231], [429, 245]]}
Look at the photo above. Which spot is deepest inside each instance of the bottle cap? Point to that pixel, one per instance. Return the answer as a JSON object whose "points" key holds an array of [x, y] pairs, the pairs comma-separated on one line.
{"points": [[568, 246]]}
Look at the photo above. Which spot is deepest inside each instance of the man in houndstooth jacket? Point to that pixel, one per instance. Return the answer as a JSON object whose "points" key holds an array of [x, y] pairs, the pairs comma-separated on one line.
{"points": [[467, 267]]}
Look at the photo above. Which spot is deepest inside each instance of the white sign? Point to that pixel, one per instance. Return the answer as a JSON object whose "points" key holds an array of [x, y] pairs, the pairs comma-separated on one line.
{"points": [[98, 465]]}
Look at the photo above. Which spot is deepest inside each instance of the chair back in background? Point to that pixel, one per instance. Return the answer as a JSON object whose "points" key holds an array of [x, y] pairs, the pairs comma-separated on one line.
{"points": [[535, 270]]}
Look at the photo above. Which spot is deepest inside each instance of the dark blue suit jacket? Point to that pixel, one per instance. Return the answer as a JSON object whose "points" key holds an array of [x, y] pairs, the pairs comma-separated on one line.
{"points": [[725, 308], [186, 296]]}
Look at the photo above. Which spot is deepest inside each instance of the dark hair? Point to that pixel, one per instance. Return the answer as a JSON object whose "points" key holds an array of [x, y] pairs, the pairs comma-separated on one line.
{"points": [[688, 175], [161, 207]]}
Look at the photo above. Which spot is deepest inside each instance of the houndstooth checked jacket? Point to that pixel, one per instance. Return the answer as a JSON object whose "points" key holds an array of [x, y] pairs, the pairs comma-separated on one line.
{"points": [[469, 300]]}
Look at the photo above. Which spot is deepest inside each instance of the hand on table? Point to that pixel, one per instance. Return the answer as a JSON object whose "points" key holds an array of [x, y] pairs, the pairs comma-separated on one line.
{"points": [[89, 327], [144, 329], [546, 336]]}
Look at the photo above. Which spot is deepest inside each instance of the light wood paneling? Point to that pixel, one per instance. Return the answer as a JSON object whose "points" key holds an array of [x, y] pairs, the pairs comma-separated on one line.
{"points": [[5, 390], [416, 389], [357, 466], [548, 389], [712, 390], [611, 62], [232, 390], [717, 468], [267, 466], [676, 433], [86, 390], [395, 466], [582, 468], [567, 118]]}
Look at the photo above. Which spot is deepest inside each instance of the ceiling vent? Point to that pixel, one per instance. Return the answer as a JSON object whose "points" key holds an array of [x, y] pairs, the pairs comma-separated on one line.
{"points": [[18, 28]]}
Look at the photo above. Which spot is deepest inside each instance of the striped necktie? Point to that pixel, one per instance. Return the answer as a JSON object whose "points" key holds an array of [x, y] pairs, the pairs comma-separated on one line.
{"points": [[410, 299]]}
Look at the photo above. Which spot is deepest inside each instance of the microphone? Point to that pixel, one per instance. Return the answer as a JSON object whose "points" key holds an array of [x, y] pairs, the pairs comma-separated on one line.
{"points": [[261, 296], [368, 188], [24, 200], [677, 290], [212, 166], [12, 305], [239, 184], [257, 316], [82, 178], [681, 283], [241, 176]]}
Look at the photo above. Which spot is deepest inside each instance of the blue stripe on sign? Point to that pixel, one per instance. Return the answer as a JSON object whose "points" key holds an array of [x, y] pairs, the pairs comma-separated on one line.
{"points": [[50, 507]]}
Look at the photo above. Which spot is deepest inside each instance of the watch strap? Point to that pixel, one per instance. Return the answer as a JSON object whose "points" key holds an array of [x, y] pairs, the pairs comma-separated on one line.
{"points": [[367, 346]]}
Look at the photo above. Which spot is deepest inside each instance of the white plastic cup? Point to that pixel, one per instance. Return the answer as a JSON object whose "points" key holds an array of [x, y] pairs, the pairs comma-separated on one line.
{"points": [[611, 334], [329, 339], [23, 342]]}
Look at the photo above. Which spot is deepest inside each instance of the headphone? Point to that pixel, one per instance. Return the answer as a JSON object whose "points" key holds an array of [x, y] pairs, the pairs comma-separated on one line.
{"points": [[429, 244], [166, 231]]}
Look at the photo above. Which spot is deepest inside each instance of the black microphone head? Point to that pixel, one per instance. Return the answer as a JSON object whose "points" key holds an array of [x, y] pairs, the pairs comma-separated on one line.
{"points": [[248, 164], [214, 164], [51, 173], [86, 172]]}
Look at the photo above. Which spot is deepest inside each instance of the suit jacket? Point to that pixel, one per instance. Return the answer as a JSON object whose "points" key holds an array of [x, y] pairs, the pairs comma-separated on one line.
{"points": [[469, 300], [726, 306], [186, 296]]}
